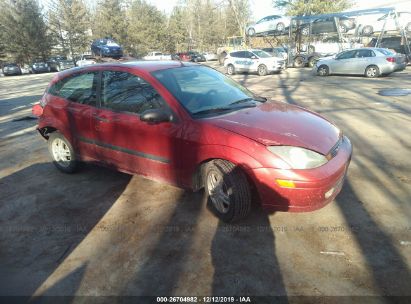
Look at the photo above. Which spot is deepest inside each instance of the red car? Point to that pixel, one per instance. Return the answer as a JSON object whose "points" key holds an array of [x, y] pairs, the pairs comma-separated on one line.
{"points": [[191, 126]]}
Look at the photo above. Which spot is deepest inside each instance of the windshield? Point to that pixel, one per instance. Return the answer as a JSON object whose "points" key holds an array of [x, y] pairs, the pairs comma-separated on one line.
{"points": [[200, 89], [261, 54]]}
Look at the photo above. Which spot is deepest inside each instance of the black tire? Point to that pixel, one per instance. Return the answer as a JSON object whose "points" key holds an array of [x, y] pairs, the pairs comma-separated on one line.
{"points": [[367, 30], [280, 27], [251, 32], [71, 164], [312, 61], [323, 70], [299, 62], [262, 70], [343, 28], [236, 190], [372, 71], [305, 31], [230, 69]]}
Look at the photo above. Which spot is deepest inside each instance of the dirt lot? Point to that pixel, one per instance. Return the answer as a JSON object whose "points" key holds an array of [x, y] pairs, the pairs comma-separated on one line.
{"points": [[100, 232]]}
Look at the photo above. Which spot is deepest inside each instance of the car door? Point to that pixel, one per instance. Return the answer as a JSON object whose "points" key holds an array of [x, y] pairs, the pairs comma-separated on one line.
{"points": [[363, 58], [126, 142], [343, 62], [76, 97]]}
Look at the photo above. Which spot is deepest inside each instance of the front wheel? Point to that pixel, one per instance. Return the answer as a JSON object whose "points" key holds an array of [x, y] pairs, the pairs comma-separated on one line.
{"points": [[262, 70], [312, 61], [323, 70], [62, 153], [408, 27], [372, 71], [251, 32], [230, 69], [227, 189]]}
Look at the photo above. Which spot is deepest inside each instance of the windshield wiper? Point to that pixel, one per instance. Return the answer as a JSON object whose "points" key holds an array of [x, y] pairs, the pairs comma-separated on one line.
{"points": [[223, 109], [254, 98]]}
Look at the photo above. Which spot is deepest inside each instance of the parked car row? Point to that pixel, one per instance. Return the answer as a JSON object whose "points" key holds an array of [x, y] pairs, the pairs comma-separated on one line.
{"points": [[366, 24]]}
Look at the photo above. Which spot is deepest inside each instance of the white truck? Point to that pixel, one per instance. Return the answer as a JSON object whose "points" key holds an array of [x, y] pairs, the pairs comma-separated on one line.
{"points": [[157, 56]]}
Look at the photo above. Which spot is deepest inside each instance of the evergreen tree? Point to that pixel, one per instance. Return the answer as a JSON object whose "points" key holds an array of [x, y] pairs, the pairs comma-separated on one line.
{"points": [[110, 20], [147, 28], [312, 7], [69, 22], [24, 30]]}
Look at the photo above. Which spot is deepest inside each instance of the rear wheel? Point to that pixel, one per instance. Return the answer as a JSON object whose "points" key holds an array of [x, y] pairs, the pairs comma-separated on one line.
{"points": [[299, 62], [230, 69], [372, 71], [305, 31], [367, 30], [262, 70], [227, 189], [62, 153], [251, 32], [323, 70], [280, 27], [343, 28]]}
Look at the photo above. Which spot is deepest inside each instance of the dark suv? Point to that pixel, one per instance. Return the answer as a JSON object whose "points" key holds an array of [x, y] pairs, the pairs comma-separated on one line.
{"points": [[11, 69], [106, 48], [60, 63]]}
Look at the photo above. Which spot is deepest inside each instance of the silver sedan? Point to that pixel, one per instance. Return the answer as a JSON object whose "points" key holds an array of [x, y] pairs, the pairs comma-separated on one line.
{"points": [[371, 62]]}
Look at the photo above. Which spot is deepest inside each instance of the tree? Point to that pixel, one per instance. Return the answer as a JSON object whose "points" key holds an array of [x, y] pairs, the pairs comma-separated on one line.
{"points": [[110, 20], [312, 7], [240, 14], [24, 30], [147, 28], [69, 22], [176, 38]]}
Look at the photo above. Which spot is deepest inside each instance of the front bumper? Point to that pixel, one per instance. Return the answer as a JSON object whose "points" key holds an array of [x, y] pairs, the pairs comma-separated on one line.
{"points": [[313, 189], [278, 67]]}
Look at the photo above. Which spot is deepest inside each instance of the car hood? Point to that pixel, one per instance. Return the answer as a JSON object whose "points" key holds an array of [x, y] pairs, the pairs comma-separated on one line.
{"points": [[276, 123]]}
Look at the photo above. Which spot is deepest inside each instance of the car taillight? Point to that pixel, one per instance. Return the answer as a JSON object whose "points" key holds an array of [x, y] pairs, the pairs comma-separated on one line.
{"points": [[390, 59], [37, 110]]}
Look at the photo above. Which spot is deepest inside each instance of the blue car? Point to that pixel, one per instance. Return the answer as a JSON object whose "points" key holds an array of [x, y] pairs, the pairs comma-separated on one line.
{"points": [[106, 48]]}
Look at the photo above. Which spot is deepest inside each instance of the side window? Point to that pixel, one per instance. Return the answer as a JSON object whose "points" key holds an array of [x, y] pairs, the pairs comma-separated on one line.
{"points": [[248, 55], [234, 54], [128, 93], [79, 88], [365, 53], [346, 55]]}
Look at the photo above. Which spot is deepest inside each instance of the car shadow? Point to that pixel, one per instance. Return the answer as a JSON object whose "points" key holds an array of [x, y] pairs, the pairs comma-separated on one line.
{"points": [[40, 225]]}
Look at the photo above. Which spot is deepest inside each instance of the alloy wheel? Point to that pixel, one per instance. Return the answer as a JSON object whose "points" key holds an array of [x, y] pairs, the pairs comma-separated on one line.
{"points": [[61, 152], [218, 192]]}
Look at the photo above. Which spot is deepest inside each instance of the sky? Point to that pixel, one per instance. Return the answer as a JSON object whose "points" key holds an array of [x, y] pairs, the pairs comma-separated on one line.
{"points": [[262, 8]]}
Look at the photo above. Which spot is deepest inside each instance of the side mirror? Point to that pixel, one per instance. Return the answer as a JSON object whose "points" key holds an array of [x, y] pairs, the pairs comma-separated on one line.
{"points": [[254, 57], [155, 116]]}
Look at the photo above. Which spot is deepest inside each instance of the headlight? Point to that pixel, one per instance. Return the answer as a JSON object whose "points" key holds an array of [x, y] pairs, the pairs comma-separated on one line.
{"points": [[299, 158]]}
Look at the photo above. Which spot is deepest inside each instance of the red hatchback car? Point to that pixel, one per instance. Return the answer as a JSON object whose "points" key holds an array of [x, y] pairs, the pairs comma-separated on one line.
{"points": [[191, 126]]}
